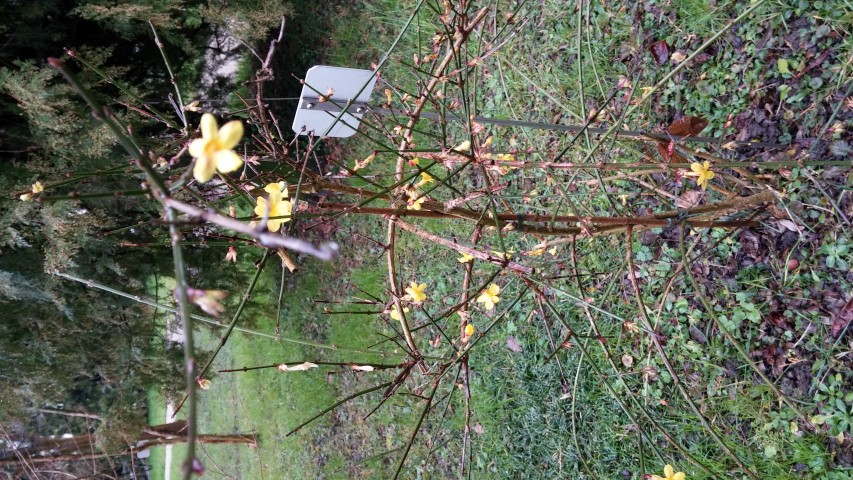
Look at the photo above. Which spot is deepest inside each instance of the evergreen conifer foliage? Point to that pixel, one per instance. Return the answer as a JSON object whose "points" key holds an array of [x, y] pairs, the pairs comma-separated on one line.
{"points": [[64, 346]]}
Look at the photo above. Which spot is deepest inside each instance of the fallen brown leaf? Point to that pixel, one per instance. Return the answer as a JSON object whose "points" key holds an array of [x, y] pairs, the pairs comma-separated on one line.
{"points": [[660, 51], [512, 344], [687, 126], [840, 322]]}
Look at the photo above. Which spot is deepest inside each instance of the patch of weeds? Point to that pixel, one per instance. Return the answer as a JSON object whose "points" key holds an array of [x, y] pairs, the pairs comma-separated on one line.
{"points": [[837, 252], [837, 406]]}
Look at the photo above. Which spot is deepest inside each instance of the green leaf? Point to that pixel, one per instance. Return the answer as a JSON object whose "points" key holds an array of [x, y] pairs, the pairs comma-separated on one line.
{"points": [[782, 66], [820, 419]]}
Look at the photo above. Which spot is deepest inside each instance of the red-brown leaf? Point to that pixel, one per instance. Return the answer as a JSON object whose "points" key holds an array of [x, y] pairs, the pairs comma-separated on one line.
{"points": [[687, 126], [660, 51], [664, 152], [667, 151], [845, 315]]}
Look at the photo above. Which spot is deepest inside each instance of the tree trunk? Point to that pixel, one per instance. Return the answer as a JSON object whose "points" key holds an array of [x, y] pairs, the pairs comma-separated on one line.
{"points": [[84, 447]]}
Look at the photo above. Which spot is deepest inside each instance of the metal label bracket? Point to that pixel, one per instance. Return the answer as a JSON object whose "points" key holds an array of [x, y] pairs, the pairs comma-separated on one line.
{"points": [[346, 92]]}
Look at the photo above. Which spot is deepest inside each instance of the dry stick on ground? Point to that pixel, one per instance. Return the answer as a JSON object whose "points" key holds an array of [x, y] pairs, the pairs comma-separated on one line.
{"points": [[461, 36], [675, 378], [69, 413]]}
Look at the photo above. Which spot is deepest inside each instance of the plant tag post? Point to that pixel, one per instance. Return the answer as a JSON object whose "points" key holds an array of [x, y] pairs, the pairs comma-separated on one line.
{"points": [[334, 99], [326, 93]]}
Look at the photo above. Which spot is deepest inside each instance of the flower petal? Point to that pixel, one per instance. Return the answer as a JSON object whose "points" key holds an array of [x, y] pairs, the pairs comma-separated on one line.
{"points": [[697, 167], [197, 147], [261, 207], [285, 207], [204, 169], [709, 175], [679, 476], [230, 134], [668, 470], [227, 161], [273, 187], [274, 225], [281, 209], [209, 127]]}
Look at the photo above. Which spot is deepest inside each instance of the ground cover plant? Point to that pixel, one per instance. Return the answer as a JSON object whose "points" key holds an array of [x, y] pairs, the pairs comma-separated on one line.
{"points": [[661, 290]]}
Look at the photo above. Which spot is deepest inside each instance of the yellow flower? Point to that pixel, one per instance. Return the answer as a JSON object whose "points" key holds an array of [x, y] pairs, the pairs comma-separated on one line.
{"points": [[214, 150], [465, 258], [208, 300], [415, 204], [36, 189], [425, 179], [536, 252], [505, 157], [469, 330], [277, 187], [414, 161], [359, 164], [395, 313], [504, 255], [489, 297], [277, 208], [416, 292], [702, 172], [669, 474], [463, 147]]}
